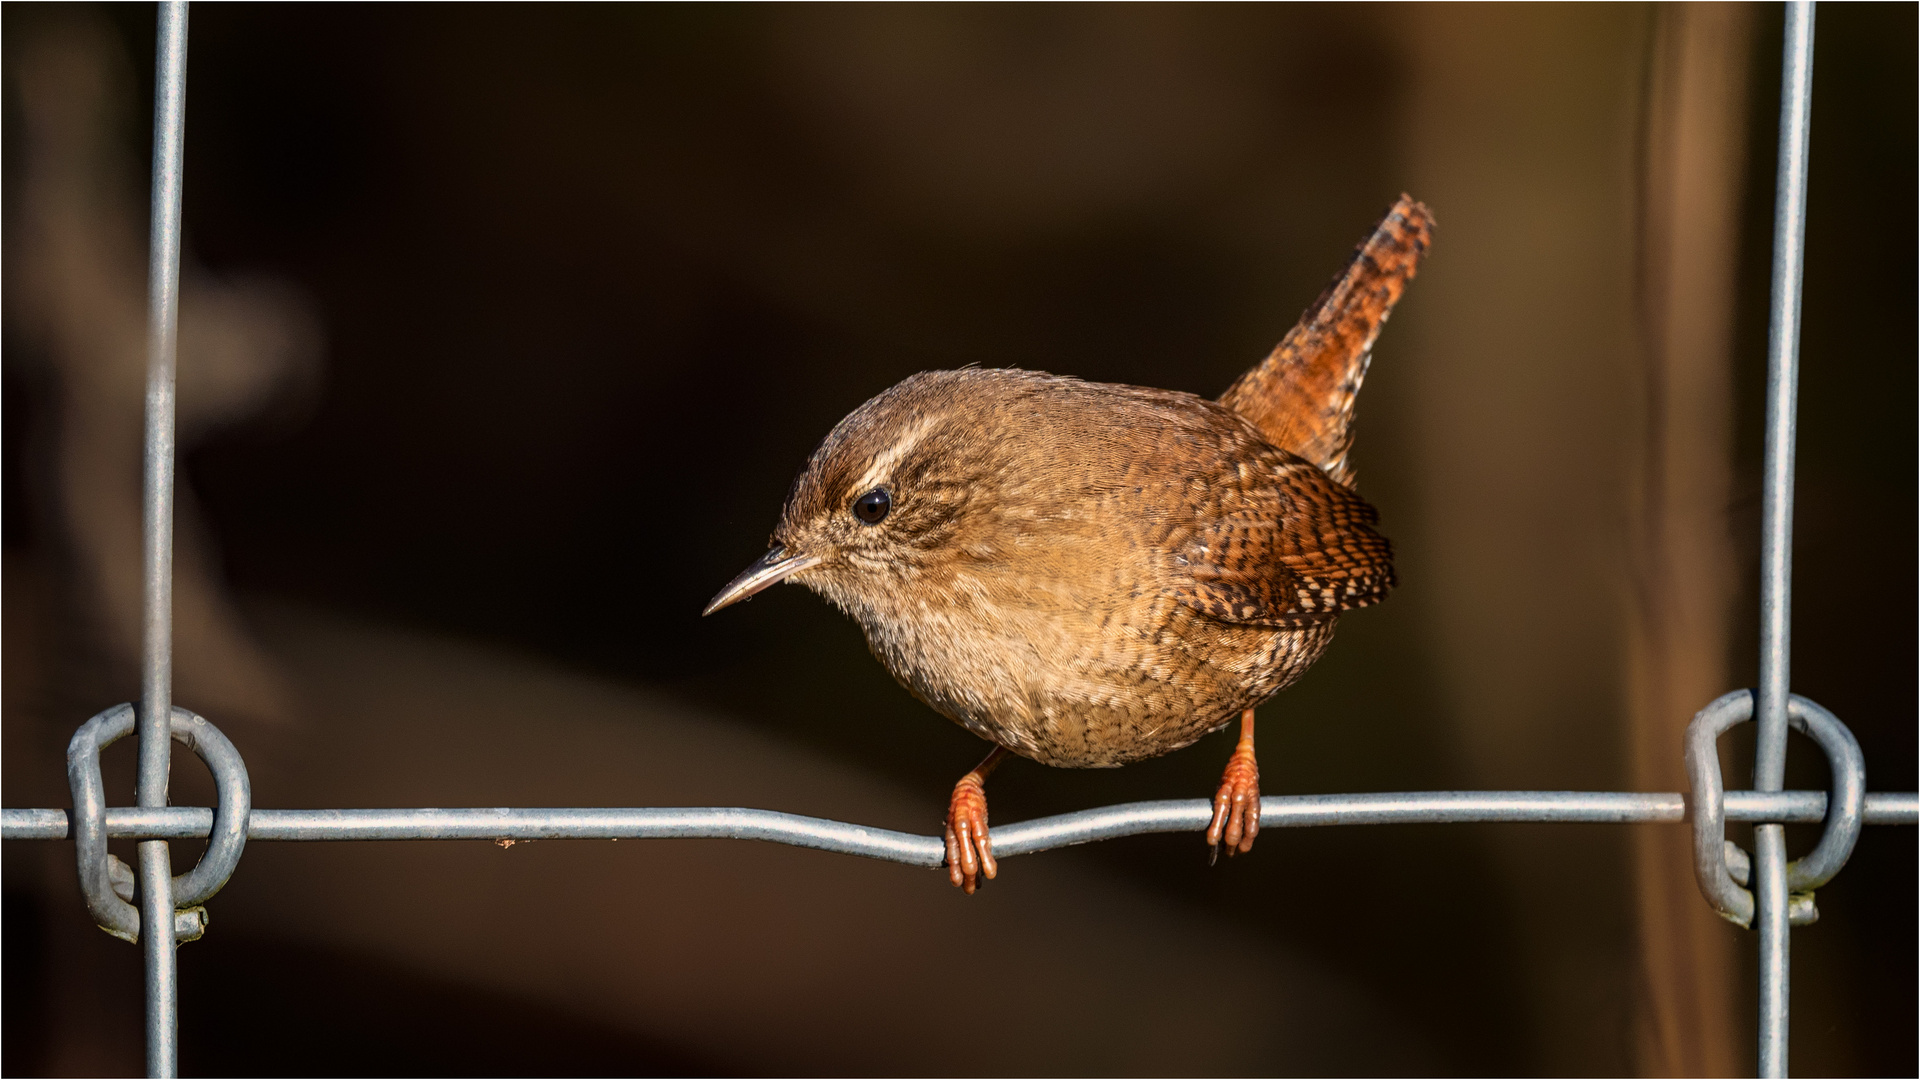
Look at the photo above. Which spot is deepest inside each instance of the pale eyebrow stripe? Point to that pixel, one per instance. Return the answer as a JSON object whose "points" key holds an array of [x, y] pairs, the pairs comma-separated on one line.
{"points": [[884, 462]]}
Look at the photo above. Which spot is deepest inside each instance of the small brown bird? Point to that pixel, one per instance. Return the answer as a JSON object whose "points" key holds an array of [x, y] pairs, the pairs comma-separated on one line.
{"points": [[1088, 574]]}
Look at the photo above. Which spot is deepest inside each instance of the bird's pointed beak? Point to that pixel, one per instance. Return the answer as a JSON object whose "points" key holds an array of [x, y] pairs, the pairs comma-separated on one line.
{"points": [[773, 568]]}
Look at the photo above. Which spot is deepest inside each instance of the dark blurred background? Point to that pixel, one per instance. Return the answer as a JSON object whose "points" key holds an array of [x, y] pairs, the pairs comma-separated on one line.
{"points": [[508, 326]]}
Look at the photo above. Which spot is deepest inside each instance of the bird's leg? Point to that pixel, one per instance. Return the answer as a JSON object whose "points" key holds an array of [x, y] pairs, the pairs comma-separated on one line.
{"points": [[1236, 806], [969, 848]]}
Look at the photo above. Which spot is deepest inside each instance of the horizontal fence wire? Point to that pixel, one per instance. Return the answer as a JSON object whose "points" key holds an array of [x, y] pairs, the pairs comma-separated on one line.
{"points": [[1016, 838]]}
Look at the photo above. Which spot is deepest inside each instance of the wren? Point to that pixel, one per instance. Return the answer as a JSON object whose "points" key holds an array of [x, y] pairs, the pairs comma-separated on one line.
{"points": [[1089, 574]]}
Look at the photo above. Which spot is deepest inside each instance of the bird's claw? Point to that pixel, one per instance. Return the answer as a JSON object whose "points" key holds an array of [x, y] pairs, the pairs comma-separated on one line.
{"points": [[969, 847], [1236, 806]]}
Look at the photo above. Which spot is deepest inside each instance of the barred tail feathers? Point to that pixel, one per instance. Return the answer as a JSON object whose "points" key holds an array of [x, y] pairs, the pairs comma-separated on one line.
{"points": [[1301, 396]]}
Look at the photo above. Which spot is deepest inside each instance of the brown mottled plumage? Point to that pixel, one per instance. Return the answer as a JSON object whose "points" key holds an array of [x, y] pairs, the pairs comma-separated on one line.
{"points": [[1088, 574]]}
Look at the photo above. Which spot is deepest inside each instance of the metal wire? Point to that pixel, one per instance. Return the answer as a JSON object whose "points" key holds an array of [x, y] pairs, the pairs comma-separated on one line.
{"points": [[99, 871], [1719, 881], [156, 665], [1783, 380], [1017, 838], [1776, 530]]}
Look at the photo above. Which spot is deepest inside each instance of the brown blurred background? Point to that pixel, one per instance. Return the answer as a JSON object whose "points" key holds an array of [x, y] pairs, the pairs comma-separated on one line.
{"points": [[507, 327]]}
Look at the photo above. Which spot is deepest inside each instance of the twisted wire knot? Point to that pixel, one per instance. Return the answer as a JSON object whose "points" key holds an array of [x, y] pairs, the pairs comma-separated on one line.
{"points": [[109, 884], [1720, 866]]}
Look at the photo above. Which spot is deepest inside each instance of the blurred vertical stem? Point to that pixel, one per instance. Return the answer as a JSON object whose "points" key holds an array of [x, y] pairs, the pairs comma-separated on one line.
{"points": [[1687, 211]]}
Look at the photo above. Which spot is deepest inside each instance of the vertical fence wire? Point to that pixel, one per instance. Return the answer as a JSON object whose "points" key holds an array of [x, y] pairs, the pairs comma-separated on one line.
{"points": [[156, 664], [1776, 535]]}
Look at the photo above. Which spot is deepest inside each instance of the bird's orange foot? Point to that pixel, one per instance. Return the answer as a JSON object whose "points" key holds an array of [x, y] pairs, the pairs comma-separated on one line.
{"points": [[1236, 806], [969, 848]]}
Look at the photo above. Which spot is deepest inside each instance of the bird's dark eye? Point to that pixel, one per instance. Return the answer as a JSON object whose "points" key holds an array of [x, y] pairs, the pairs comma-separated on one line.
{"points": [[873, 506]]}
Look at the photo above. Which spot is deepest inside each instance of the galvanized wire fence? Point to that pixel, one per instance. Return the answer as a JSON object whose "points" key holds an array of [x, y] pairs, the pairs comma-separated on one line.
{"points": [[1762, 890]]}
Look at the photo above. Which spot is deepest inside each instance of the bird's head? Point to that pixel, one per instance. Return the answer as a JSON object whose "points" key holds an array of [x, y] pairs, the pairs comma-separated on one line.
{"points": [[894, 491]]}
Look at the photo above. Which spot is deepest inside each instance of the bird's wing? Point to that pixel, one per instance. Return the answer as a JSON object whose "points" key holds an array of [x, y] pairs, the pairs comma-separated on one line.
{"points": [[1301, 397], [1283, 544]]}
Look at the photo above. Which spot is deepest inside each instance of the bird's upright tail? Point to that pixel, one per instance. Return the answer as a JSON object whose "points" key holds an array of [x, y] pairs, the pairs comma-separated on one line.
{"points": [[1301, 396]]}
